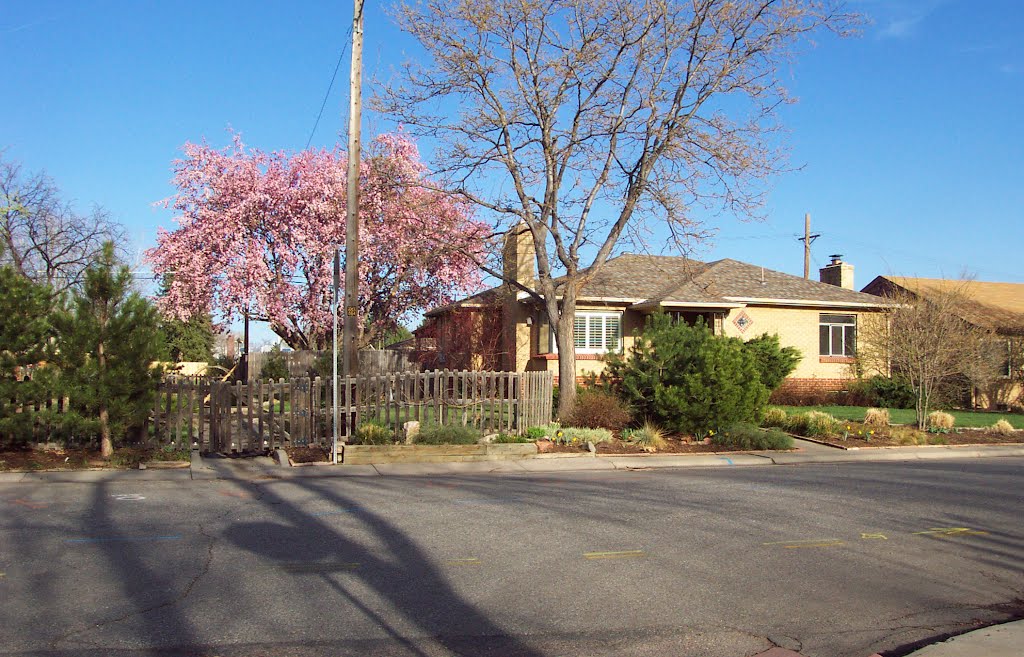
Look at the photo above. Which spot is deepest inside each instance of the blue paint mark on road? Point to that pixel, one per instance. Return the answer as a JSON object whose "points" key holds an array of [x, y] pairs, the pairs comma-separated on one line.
{"points": [[727, 460], [122, 539]]}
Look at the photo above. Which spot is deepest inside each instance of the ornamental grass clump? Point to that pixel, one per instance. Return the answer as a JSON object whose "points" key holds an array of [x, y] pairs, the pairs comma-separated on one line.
{"points": [[813, 424], [775, 417], [649, 437], [1003, 428], [374, 433], [877, 417], [940, 421], [744, 435], [581, 435]]}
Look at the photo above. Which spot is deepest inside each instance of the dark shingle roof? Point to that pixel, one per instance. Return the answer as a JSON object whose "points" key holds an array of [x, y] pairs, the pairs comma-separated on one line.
{"points": [[679, 281], [647, 281]]}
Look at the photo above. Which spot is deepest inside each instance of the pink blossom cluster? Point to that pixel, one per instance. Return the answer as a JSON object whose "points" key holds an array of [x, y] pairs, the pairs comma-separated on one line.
{"points": [[256, 234]]}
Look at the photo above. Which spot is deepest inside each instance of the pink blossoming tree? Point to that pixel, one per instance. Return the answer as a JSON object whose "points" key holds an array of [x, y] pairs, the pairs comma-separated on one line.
{"points": [[257, 231]]}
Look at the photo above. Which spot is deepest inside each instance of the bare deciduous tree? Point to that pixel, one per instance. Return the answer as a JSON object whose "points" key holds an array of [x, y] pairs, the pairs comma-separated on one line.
{"points": [[927, 341], [601, 119], [42, 236]]}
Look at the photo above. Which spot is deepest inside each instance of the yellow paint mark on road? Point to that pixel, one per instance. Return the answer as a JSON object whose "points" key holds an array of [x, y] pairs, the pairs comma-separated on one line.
{"points": [[813, 545], [470, 561], [870, 536], [622, 554], [951, 531], [805, 540]]}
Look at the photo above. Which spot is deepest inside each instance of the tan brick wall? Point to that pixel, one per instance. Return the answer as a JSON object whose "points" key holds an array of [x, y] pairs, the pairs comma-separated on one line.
{"points": [[797, 327]]}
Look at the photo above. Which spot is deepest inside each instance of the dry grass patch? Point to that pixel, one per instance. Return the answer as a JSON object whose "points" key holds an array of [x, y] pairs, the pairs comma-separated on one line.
{"points": [[1003, 428], [877, 417], [940, 420]]}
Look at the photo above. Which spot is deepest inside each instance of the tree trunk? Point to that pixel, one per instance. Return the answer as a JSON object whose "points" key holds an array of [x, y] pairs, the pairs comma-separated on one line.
{"points": [[106, 444], [566, 361]]}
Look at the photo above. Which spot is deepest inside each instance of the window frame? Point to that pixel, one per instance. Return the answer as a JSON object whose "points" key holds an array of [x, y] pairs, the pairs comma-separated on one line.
{"points": [[847, 343], [587, 315]]}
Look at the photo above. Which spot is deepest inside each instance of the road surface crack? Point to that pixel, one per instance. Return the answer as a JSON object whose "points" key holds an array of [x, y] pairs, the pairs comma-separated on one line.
{"points": [[180, 597]]}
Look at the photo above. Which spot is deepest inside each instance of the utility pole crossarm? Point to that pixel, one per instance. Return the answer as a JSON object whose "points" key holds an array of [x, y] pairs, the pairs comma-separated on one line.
{"points": [[807, 239]]}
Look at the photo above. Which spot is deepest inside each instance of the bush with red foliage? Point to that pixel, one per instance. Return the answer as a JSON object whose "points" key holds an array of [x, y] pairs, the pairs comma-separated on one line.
{"points": [[597, 408]]}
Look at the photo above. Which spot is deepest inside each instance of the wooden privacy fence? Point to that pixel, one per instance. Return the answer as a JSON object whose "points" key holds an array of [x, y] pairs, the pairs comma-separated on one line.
{"points": [[219, 416], [299, 363]]}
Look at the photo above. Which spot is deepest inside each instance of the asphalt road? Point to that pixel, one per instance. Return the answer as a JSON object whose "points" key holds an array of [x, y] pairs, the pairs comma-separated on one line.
{"points": [[829, 560]]}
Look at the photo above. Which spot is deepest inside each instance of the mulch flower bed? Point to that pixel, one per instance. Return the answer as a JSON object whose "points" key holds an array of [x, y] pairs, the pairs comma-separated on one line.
{"points": [[673, 445], [308, 454], [859, 435], [31, 459]]}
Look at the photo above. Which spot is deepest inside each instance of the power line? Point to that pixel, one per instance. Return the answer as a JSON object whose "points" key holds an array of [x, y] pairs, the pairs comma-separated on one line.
{"points": [[327, 95]]}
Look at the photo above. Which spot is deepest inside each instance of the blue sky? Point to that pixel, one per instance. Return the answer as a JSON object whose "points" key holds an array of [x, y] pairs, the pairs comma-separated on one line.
{"points": [[909, 138]]}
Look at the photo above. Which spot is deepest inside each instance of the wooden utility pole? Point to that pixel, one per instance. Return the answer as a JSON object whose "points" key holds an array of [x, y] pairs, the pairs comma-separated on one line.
{"points": [[807, 239], [351, 349]]}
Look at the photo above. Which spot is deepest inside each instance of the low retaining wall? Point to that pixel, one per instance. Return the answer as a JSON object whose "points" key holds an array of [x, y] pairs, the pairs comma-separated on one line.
{"points": [[371, 454]]}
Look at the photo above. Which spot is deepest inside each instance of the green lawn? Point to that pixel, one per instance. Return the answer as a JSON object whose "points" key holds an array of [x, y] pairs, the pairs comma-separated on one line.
{"points": [[908, 415]]}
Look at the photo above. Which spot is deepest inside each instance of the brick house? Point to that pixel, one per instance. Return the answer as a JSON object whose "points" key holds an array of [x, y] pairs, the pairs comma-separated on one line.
{"points": [[995, 307], [734, 298]]}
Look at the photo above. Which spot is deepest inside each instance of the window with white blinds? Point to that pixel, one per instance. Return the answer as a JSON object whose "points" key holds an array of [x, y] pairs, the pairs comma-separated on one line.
{"points": [[596, 332]]}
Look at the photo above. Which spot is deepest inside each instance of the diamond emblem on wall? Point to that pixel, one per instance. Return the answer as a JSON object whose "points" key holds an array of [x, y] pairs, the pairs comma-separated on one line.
{"points": [[743, 321]]}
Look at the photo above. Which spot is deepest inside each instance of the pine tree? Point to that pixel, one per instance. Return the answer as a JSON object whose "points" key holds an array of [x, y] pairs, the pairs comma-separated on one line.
{"points": [[774, 362], [187, 341], [108, 340], [25, 333], [689, 380]]}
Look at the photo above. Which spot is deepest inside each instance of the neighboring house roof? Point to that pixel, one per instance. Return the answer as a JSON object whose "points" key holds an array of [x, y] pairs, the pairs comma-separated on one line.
{"points": [[645, 282], [998, 306], [488, 297]]}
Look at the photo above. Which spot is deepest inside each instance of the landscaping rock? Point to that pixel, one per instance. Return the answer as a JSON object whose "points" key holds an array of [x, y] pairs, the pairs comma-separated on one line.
{"points": [[591, 448], [488, 439], [411, 429], [544, 446]]}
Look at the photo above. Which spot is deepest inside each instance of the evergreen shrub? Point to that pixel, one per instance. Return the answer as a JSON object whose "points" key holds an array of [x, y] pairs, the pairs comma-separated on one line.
{"points": [[687, 379]]}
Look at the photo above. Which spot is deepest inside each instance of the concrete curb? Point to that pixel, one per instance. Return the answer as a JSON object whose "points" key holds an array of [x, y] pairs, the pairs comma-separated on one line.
{"points": [[212, 469], [108, 476]]}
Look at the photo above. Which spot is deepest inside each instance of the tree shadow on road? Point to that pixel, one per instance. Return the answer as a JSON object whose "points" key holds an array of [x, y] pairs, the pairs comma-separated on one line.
{"points": [[399, 572]]}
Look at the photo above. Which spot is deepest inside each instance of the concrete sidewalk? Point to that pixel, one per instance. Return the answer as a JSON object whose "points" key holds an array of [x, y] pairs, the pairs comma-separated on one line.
{"points": [[1005, 640], [266, 468]]}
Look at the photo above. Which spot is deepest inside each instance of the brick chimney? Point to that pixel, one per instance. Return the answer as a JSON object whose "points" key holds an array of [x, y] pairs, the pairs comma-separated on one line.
{"points": [[518, 255], [519, 323], [837, 273]]}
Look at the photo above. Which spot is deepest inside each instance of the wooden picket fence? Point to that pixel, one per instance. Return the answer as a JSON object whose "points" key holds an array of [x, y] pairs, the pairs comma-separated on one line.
{"points": [[220, 416]]}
